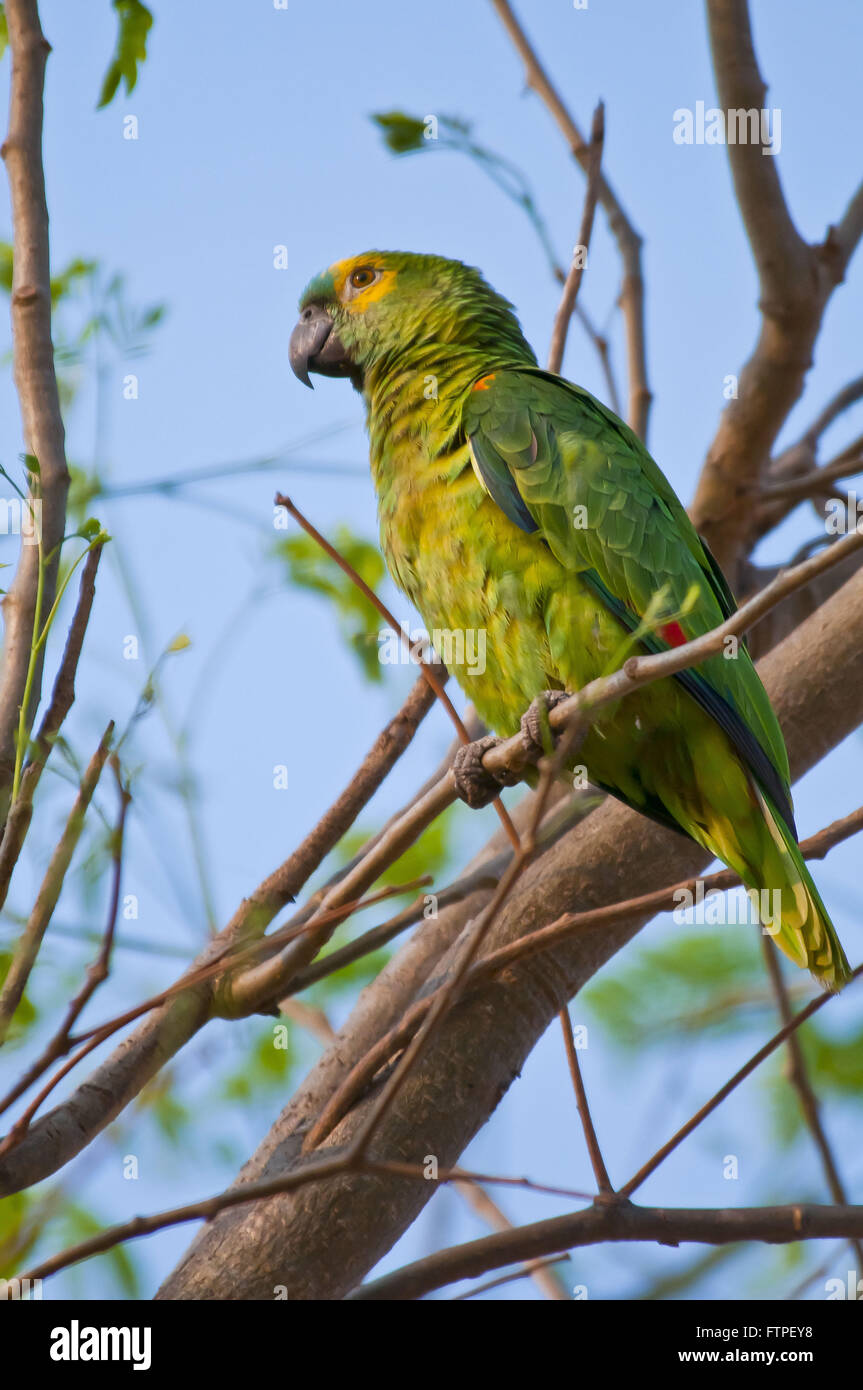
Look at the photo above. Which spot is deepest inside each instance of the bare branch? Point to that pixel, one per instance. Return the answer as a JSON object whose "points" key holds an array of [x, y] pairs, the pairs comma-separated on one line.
{"points": [[62, 699], [628, 240], [798, 1075], [574, 277], [724, 1091], [488, 1210], [600, 1172], [27, 949], [624, 1222]]}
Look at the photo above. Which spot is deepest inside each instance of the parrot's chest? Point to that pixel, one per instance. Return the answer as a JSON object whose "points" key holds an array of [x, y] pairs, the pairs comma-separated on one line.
{"points": [[502, 613]]}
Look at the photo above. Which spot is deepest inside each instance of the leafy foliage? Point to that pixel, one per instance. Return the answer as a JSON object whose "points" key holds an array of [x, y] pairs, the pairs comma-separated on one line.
{"points": [[264, 1066], [134, 24], [110, 316], [310, 568], [687, 984], [835, 1067]]}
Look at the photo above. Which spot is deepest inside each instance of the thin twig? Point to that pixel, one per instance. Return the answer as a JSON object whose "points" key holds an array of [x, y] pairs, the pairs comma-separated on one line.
{"points": [[577, 267], [62, 699], [707, 1109], [798, 1075], [537, 1270], [628, 240], [27, 949], [487, 1209], [600, 1172]]}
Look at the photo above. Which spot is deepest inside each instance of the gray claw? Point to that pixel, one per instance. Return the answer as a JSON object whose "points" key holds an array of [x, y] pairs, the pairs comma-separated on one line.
{"points": [[475, 784], [534, 721]]}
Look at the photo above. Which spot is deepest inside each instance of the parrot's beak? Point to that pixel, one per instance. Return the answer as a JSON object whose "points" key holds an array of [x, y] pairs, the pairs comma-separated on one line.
{"points": [[316, 347]]}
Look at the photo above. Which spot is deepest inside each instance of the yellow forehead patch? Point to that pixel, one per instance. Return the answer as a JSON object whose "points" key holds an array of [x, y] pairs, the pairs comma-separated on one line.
{"points": [[360, 299]]}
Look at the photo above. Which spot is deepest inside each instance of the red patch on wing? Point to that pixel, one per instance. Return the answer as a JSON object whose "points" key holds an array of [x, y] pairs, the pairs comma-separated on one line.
{"points": [[674, 635], [482, 384]]}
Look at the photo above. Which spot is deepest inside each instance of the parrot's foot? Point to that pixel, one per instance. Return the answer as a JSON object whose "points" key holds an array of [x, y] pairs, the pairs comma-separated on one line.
{"points": [[534, 721], [473, 782]]}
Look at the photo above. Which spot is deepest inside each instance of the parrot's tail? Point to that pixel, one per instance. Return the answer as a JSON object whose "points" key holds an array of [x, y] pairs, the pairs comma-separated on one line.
{"points": [[798, 922]]}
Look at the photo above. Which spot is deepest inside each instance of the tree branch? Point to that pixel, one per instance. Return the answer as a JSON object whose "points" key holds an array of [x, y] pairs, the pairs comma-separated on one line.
{"points": [[27, 948], [795, 281], [572, 284], [628, 240], [666, 1226], [483, 1042], [35, 378]]}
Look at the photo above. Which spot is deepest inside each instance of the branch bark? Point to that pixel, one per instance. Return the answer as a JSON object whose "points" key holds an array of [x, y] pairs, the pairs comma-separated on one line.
{"points": [[795, 280], [33, 365], [667, 1226]]}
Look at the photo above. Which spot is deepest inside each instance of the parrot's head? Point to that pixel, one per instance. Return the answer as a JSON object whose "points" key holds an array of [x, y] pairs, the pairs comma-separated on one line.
{"points": [[365, 312]]}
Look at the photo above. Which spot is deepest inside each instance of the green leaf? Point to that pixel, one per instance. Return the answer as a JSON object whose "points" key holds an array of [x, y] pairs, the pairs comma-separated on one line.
{"points": [[405, 134], [402, 134], [4, 31], [89, 529], [135, 22]]}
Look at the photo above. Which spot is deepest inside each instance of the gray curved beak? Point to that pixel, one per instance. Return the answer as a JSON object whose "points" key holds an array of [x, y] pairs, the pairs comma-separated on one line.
{"points": [[315, 346]]}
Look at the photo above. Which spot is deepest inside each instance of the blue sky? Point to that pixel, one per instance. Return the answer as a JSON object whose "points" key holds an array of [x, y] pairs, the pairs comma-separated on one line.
{"points": [[254, 132]]}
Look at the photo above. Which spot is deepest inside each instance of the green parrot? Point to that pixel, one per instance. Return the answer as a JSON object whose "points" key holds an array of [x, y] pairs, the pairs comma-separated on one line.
{"points": [[514, 504]]}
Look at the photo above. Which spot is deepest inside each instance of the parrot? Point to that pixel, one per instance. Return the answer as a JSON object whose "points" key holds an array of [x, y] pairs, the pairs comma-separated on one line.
{"points": [[512, 502]]}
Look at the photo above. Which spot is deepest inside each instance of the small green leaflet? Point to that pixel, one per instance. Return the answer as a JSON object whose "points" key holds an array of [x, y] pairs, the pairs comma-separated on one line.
{"points": [[135, 22]]}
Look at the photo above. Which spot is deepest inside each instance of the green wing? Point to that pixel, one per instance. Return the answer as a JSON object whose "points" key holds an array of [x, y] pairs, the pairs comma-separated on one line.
{"points": [[558, 463]]}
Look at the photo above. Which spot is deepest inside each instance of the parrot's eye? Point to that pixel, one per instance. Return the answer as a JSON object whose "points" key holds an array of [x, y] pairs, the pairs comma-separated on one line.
{"points": [[362, 277]]}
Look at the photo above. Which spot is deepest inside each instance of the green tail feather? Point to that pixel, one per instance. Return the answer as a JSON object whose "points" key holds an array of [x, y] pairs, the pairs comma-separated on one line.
{"points": [[805, 934]]}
